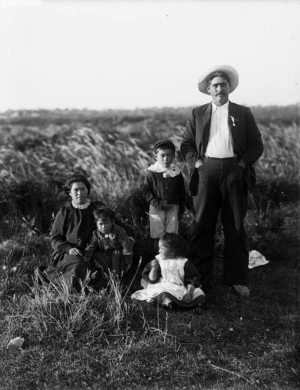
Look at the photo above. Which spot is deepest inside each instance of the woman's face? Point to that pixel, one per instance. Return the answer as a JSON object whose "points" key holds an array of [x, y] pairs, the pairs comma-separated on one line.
{"points": [[79, 193]]}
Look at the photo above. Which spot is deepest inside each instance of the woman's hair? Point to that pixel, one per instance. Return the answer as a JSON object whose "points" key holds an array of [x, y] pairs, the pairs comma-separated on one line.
{"points": [[75, 178], [104, 212], [217, 74], [172, 241]]}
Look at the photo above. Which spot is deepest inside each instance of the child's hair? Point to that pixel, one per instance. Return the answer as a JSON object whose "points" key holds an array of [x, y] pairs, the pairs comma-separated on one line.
{"points": [[164, 144], [172, 241], [104, 212]]}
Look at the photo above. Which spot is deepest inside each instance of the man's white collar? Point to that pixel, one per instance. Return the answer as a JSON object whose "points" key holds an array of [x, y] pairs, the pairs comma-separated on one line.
{"points": [[223, 107]]}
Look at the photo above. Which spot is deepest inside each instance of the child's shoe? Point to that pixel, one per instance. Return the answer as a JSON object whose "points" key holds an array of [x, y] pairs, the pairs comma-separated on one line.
{"points": [[242, 291]]}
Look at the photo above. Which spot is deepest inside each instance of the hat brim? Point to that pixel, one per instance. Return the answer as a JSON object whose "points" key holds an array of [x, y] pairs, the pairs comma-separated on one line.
{"points": [[165, 142], [228, 70]]}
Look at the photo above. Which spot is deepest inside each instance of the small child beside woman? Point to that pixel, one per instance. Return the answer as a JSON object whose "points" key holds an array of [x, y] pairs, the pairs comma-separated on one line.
{"points": [[110, 248]]}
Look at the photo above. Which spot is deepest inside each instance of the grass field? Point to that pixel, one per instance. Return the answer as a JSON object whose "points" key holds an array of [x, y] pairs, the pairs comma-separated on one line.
{"points": [[106, 341]]}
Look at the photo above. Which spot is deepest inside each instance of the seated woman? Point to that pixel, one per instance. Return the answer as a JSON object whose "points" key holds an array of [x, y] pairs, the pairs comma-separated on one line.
{"points": [[110, 247], [170, 279], [71, 231]]}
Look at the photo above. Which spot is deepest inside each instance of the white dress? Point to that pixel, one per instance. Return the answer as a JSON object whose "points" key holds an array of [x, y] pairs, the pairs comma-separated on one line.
{"points": [[171, 284]]}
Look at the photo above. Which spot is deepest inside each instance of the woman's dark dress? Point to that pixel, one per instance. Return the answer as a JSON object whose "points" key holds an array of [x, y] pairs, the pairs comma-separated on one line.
{"points": [[72, 228]]}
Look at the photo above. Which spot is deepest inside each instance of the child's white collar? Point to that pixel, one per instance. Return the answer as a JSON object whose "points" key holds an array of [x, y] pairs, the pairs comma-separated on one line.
{"points": [[172, 171]]}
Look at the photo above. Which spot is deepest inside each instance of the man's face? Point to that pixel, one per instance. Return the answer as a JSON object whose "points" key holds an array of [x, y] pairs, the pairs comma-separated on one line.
{"points": [[219, 90]]}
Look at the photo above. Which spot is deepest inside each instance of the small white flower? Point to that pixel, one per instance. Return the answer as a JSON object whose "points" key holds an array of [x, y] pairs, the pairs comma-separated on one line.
{"points": [[14, 269], [232, 120], [4, 267]]}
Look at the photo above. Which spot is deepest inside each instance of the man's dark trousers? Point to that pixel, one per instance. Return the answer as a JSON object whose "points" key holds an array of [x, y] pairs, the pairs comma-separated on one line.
{"points": [[221, 187]]}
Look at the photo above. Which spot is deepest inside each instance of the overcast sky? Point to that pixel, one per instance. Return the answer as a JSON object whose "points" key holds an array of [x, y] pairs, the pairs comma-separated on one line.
{"points": [[122, 54]]}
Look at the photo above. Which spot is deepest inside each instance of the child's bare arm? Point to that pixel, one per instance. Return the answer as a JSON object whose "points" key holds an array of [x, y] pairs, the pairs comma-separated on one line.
{"points": [[154, 270]]}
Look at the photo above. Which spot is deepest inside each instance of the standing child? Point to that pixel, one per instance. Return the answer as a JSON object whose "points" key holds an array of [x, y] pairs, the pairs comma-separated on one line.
{"points": [[110, 248], [164, 190], [170, 279]]}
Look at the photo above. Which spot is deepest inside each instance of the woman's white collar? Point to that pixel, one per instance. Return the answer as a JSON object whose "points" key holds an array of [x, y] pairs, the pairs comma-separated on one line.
{"points": [[81, 206]]}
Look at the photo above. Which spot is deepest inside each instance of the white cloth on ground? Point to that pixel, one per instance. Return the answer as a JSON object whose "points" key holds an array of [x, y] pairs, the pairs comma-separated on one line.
{"points": [[256, 259]]}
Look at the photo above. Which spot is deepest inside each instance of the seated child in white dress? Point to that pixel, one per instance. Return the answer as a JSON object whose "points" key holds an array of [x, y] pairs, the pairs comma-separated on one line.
{"points": [[170, 279]]}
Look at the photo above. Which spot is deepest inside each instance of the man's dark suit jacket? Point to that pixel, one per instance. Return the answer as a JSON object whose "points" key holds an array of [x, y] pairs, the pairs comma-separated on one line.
{"points": [[246, 138]]}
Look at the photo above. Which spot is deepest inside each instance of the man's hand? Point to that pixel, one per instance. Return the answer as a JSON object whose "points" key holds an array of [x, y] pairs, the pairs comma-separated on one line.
{"points": [[241, 164], [198, 163]]}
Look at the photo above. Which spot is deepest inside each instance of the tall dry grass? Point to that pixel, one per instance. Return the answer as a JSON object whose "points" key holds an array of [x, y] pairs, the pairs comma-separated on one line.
{"points": [[53, 313]]}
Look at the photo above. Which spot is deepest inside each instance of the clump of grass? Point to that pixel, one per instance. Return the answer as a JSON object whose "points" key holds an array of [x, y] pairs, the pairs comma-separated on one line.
{"points": [[19, 256], [274, 232], [54, 312]]}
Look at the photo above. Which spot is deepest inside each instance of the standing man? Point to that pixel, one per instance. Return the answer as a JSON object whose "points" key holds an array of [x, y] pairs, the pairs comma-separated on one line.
{"points": [[221, 142]]}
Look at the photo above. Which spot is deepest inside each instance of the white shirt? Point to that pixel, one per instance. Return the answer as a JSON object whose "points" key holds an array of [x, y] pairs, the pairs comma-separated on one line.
{"points": [[220, 142]]}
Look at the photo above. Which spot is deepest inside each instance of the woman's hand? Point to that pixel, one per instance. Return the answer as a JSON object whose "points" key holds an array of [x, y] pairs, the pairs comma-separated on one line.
{"points": [[75, 252]]}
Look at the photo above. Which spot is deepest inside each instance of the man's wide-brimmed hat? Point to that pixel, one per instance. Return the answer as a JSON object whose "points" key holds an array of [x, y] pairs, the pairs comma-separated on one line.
{"points": [[228, 70]]}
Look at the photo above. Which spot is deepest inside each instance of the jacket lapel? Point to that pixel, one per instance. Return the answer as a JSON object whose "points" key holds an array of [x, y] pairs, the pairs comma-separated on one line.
{"points": [[231, 116], [204, 128], [233, 122]]}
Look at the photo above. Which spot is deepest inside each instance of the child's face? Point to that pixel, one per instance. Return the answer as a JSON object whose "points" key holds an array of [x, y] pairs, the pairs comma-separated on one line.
{"points": [[164, 157], [104, 225], [165, 252]]}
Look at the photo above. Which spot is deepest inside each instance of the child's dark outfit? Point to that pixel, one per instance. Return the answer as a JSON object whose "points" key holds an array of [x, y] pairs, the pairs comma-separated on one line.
{"points": [[112, 251], [171, 282], [164, 187]]}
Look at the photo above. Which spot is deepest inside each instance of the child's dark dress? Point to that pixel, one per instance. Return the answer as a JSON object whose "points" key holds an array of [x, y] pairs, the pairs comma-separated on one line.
{"points": [[112, 251]]}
